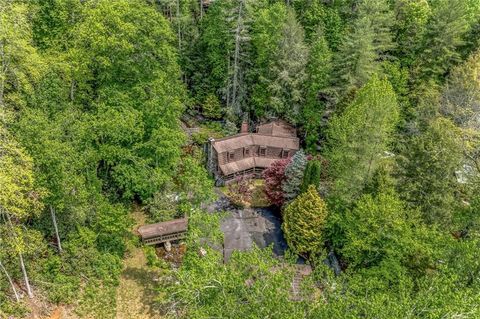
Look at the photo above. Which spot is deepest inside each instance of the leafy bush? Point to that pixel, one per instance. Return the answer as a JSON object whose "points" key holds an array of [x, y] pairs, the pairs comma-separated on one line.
{"points": [[274, 177], [211, 107]]}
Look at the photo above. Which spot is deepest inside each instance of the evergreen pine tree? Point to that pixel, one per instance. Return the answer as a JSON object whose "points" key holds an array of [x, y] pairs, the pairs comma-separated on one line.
{"points": [[442, 40], [382, 19], [312, 175], [412, 17], [303, 223], [367, 45], [294, 175], [356, 61], [318, 89], [288, 71], [279, 66], [429, 171]]}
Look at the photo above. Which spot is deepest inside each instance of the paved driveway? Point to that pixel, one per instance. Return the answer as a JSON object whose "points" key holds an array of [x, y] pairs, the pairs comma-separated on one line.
{"points": [[246, 227]]}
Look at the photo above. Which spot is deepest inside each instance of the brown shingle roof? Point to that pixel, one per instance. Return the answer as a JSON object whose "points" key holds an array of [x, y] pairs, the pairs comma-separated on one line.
{"points": [[244, 140], [232, 142], [246, 163], [164, 228], [277, 128], [291, 143]]}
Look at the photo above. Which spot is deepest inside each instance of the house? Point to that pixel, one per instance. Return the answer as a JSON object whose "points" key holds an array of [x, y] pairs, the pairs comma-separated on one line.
{"points": [[249, 153]]}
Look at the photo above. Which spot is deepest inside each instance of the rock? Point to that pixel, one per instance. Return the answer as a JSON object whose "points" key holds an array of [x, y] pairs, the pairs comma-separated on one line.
{"points": [[332, 262], [168, 246], [202, 252]]}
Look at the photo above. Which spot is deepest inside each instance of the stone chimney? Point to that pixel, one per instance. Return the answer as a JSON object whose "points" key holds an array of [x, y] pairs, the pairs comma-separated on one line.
{"points": [[244, 128]]}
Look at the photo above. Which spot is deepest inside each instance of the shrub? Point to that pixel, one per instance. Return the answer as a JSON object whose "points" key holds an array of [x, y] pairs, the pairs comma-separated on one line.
{"points": [[274, 177], [304, 220]]}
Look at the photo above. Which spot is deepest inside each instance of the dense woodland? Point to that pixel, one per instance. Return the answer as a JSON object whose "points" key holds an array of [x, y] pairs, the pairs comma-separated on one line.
{"points": [[95, 96]]}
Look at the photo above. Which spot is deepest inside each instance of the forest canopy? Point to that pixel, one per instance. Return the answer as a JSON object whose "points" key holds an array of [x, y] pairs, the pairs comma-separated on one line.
{"points": [[106, 105]]}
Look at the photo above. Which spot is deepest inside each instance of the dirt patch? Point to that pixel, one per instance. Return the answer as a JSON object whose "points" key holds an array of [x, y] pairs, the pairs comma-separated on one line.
{"points": [[56, 314], [174, 257]]}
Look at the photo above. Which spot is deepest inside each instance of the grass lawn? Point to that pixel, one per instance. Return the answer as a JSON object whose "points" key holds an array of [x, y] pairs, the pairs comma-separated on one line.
{"points": [[139, 284]]}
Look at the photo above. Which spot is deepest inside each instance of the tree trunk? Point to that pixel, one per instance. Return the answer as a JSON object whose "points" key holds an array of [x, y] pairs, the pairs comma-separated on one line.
{"points": [[22, 264], [72, 90], [54, 220], [236, 60], [228, 83], [179, 28], [17, 298], [25, 276], [2, 73]]}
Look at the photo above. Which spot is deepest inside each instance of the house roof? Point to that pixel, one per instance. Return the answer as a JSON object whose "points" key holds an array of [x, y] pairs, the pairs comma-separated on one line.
{"points": [[246, 163], [277, 128], [250, 139], [164, 228]]}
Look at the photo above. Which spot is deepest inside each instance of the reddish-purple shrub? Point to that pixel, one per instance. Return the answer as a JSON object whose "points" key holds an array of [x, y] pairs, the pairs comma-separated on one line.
{"points": [[274, 177]]}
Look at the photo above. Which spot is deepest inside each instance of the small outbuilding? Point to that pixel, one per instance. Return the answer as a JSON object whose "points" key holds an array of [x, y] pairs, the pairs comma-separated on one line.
{"points": [[164, 232]]}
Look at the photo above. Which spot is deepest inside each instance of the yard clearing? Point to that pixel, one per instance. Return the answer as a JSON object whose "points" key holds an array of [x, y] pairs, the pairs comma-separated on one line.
{"points": [[137, 290]]}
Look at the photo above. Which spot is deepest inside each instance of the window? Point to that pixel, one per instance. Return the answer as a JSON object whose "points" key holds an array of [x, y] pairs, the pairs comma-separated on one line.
{"points": [[263, 151], [231, 156], [246, 152], [285, 153]]}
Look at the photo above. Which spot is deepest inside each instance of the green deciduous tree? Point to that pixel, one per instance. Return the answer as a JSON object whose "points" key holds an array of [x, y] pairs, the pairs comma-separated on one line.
{"points": [[20, 65], [134, 99], [461, 95], [377, 228], [429, 171], [358, 137], [19, 199]]}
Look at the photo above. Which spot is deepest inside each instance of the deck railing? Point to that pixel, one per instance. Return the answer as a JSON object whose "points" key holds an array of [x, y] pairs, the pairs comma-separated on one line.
{"points": [[164, 238]]}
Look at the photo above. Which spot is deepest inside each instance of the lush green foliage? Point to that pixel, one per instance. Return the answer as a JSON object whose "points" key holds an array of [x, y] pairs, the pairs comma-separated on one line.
{"points": [[312, 175], [82, 138], [385, 93], [359, 135], [304, 220], [294, 175]]}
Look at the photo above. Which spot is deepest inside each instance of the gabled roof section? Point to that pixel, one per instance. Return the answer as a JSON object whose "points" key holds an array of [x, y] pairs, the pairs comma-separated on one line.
{"points": [[252, 139], [277, 128], [165, 228], [232, 142], [277, 134]]}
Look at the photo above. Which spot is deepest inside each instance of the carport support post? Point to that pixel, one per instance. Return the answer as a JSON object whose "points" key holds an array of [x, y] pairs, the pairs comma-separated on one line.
{"points": [[168, 245]]}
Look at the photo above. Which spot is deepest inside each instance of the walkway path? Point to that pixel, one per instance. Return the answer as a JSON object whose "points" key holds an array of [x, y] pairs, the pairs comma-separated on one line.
{"points": [[137, 290]]}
